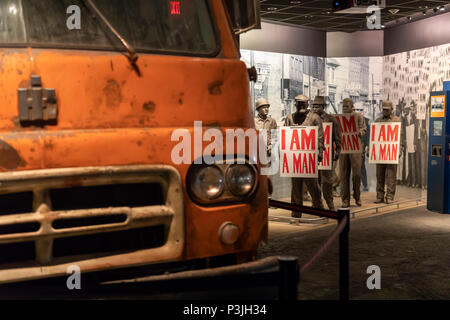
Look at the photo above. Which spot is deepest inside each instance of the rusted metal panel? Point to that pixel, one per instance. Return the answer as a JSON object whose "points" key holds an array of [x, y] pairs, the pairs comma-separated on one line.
{"points": [[109, 117]]}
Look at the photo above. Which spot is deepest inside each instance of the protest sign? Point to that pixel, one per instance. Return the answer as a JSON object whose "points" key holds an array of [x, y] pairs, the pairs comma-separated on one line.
{"points": [[298, 152], [351, 143], [385, 142], [327, 160]]}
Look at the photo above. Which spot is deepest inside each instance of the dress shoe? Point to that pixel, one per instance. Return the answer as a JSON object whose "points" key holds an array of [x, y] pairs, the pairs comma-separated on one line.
{"points": [[389, 201], [378, 201], [296, 214], [358, 203]]}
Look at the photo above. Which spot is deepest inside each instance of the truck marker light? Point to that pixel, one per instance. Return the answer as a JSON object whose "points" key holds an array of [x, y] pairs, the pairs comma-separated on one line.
{"points": [[228, 233]]}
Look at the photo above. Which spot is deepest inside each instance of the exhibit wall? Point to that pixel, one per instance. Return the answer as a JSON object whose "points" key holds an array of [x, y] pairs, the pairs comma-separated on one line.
{"points": [[408, 78], [404, 78], [283, 76]]}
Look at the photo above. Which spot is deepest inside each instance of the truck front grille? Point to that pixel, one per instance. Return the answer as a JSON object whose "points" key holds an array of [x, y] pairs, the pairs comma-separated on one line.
{"points": [[115, 195], [110, 242], [18, 202], [96, 217]]}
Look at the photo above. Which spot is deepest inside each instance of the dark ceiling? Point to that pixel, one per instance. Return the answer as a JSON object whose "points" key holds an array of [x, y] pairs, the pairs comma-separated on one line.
{"points": [[316, 14]]}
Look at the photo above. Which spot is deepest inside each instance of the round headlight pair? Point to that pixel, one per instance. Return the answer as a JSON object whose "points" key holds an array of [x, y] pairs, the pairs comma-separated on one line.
{"points": [[208, 182]]}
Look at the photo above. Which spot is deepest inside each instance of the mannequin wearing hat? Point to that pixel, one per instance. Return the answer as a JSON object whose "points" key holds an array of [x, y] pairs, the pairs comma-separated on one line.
{"points": [[351, 163], [326, 176], [264, 122], [305, 118], [387, 173]]}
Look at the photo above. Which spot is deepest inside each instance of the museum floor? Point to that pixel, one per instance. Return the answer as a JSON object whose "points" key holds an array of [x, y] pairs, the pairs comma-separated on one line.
{"points": [[410, 245]]}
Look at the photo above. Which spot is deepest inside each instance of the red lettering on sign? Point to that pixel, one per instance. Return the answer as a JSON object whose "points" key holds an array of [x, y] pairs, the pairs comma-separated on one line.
{"points": [[344, 143], [283, 139], [392, 133], [394, 151], [355, 141], [308, 141], [349, 124], [382, 133], [294, 140], [382, 152], [326, 135], [312, 162], [305, 164], [326, 154], [285, 164], [350, 142], [175, 7], [297, 163], [373, 133], [373, 156]]}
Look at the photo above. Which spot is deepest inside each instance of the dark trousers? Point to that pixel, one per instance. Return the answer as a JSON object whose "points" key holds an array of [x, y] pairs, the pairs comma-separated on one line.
{"points": [[386, 175], [326, 180], [363, 171], [313, 187], [350, 163]]}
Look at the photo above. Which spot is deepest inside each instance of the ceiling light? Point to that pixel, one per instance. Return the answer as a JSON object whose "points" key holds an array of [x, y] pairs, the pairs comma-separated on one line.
{"points": [[382, 26], [295, 2], [272, 8], [394, 11], [442, 8], [409, 18], [424, 12]]}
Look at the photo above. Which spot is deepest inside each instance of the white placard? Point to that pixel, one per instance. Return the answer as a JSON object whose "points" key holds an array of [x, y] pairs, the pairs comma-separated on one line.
{"points": [[351, 143], [299, 152], [385, 142]]}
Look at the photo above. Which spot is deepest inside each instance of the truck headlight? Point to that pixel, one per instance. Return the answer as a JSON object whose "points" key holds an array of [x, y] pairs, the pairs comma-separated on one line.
{"points": [[241, 179], [221, 183], [207, 183]]}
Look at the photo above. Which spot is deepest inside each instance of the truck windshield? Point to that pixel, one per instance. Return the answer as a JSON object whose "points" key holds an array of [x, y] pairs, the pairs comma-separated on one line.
{"points": [[178, 27]]}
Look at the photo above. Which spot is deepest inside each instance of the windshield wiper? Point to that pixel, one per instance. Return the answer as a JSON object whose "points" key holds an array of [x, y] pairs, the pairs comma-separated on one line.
{"points": [[132, 55]]}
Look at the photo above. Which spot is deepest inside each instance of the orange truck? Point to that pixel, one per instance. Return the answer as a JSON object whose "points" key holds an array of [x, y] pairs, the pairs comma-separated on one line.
{"points": [[90, 96]]}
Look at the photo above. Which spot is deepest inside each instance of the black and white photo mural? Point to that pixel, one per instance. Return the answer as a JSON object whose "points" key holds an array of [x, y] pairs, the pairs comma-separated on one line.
{"points": [[405, 78], [408, 79], [358, 78], [281, 77]]}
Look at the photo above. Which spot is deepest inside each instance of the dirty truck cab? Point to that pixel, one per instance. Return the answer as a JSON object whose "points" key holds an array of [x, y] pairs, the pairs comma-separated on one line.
{"points": [[86, 118]]}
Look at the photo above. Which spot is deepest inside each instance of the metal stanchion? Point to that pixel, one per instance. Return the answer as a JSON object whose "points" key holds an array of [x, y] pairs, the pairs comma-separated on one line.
{"points": [[289, 277], [343, 255]]}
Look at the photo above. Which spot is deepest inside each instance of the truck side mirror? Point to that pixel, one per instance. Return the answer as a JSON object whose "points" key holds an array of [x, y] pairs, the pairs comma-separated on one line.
{"points": [[244, 14]]}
